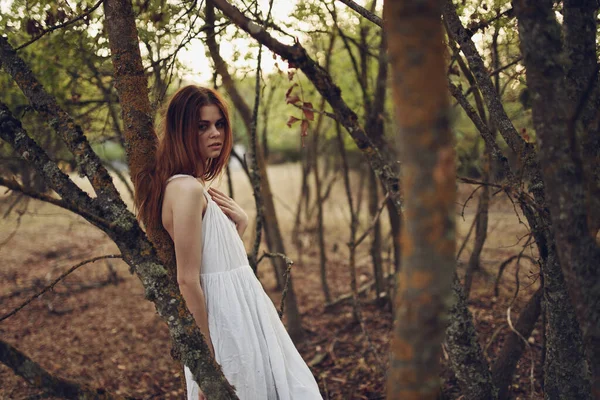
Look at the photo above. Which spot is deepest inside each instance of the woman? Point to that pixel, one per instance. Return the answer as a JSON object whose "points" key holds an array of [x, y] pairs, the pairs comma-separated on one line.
{"points": [[229, 305]]}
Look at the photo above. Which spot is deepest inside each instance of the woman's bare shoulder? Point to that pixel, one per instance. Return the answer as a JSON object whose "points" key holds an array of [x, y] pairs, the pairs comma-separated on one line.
{"points": [[184, 184], [183, 190]]}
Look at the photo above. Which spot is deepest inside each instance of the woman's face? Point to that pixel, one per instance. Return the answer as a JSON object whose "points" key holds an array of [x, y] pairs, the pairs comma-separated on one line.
{"points": [[211, 129]]}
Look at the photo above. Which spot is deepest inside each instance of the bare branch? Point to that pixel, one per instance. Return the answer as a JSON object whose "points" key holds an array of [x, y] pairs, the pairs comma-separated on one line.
{"points": [[364, 12], [35, 375], [373, 222], [63, 25], [60, 278]]}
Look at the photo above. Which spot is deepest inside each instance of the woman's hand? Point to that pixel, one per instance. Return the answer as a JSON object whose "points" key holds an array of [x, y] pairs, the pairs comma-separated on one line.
{"points": [[231, 209]]}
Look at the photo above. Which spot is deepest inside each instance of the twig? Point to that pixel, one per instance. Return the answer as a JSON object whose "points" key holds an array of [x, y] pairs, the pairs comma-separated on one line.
{"points": [[462, 212], [330, 115], [364, 12], [14, 232], [476, 182], [375, 218], [503, 267], [64, 24], [16, 201], [531, 372], [286, 286], [49, 287], [462, 247]]}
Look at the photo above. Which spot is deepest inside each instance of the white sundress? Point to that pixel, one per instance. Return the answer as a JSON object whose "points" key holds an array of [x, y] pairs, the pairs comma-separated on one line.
{"points": [[251, 343]]}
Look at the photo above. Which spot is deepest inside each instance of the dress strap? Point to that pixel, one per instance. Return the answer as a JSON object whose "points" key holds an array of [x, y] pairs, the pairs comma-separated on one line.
{"points": [[177, 176]]}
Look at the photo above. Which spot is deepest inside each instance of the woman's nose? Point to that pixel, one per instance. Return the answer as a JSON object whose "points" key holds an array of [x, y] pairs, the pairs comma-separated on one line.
{"points": [[214, 131]]}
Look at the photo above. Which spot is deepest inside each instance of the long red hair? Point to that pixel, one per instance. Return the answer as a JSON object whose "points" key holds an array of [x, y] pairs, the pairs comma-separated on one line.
{"points": [[178, 151]]}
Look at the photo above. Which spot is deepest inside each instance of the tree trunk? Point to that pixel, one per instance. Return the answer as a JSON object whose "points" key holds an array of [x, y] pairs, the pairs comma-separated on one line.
{"points": [[376, 240], [506, 362], [578, 253], [466, 358], [481, 225], [425, 281]]}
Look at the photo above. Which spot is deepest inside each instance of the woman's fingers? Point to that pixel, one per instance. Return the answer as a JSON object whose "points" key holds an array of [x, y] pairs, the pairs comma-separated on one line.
{"points": [[215, 193]]}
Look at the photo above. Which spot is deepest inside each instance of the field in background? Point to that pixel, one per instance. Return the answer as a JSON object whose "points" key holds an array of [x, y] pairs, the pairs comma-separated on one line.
{"points": [[96, 329]]}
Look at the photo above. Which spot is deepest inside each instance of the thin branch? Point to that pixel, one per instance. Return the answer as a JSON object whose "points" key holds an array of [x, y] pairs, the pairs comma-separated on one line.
{"points": [[59, 26], [476, 182], [330, 115], [364, 12], [484, 24], [60, 278], [464, 244], [254, 159], [370, 228], [37, 376]]}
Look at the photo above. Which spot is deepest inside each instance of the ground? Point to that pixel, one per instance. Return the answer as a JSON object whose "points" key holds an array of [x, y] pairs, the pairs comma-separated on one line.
{"points": [[95, 329]]}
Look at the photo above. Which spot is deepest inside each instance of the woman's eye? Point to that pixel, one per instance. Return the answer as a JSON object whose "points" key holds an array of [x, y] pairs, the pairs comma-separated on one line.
{"points": [[220, 124], [202, 127]]}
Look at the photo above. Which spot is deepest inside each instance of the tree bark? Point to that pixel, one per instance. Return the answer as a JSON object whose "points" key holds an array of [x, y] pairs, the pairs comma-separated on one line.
{"points": [[466, 358], [425, 281], [582, 77], [562, 170], [161, 287], [506, 362]]}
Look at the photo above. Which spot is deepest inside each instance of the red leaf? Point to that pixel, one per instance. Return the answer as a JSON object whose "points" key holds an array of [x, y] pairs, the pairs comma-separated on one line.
{"points": [[304, 127], [290, 90], [292, 99], [309, 114], [291, 121]]}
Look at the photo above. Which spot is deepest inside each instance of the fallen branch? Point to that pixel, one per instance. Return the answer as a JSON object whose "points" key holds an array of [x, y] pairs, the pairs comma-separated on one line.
{"points": [[37, 376], [49, 287], [346, 297]]}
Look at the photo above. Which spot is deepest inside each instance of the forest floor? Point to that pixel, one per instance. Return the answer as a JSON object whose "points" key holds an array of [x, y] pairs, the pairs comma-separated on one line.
{"points": [[95, 327]]}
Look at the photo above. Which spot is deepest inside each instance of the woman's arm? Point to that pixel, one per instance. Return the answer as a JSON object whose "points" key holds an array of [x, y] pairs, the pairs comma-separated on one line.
{"points": [[187, 236]]}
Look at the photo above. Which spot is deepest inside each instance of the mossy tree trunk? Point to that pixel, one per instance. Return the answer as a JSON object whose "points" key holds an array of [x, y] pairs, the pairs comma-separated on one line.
{"points": [[562, 170]]}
